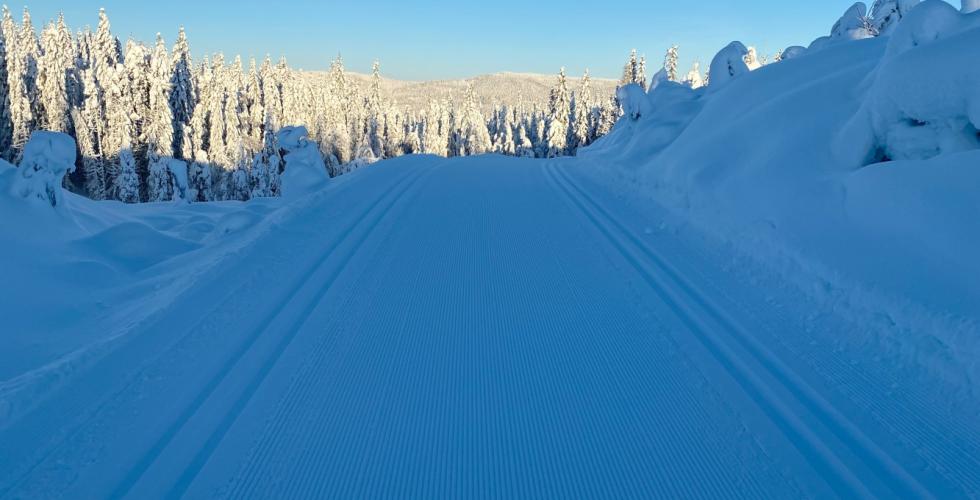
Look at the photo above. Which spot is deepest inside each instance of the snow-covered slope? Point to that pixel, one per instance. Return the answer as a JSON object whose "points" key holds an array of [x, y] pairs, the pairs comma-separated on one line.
{"points": [[785, 163]]}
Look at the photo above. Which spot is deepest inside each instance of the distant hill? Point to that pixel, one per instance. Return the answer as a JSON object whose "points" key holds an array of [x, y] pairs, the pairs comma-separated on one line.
{"points": [[497, 88]]}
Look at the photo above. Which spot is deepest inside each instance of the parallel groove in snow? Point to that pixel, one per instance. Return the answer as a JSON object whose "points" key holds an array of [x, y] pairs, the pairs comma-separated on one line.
{"points": [[846, 482], [449, 393], [76, 402], [386, 202]]}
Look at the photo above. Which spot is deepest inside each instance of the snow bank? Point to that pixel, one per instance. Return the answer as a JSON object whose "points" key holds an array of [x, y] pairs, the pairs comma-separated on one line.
{"points": [[781, 163], [305, 168], [924, 98], [48, 156]]}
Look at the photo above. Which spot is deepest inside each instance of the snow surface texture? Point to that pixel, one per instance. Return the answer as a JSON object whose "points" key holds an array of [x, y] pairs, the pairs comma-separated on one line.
{"points": [[720, 299], [782, 163]]}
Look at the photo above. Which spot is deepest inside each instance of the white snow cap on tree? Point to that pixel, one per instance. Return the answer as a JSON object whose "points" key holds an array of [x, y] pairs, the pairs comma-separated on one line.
{"points": [[752, 59], [886, 14], [727, 64], [853, 25], [48, 156], [694, 78]]}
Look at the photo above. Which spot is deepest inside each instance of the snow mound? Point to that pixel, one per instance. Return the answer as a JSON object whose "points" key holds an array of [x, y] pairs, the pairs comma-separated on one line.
{"points": [[132, 246], [305, 169], [728, 64], [785, 164], [916, 106], [48, 156]]}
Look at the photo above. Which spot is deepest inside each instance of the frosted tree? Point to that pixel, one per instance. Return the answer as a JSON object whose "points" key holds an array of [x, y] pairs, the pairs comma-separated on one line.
{"points": [[885, 14], [582, 126], [254, 111], [182, 99], [6, 126], [752, 59], [559, 111], [435, 129], [127, 181], [376, 108], [471, 134], [22, 75], [634, 71], [670, 63], [159, 126], [693, 78], [56, 79], [266, 164], [522, 143], [89, 133]]}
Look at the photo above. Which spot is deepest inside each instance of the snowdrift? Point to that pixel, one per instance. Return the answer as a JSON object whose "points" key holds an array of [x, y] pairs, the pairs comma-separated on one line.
{"points": [[81, 274], [853, 165]]}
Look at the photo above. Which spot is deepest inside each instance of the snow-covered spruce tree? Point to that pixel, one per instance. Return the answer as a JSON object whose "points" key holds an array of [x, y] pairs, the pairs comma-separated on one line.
{"points": [[159, 127], [670, 63], [266, 164], [694, 79], [254, 108], [375, 105], [136, 71], [195, 137], [885, 14], [634, 71], [559, 111], [90, 130], [752, 59], [56, 76], [435, 129], [581, 126], [182, 98], [127, 181], [22, 58], [470, 132], [6, 126]]}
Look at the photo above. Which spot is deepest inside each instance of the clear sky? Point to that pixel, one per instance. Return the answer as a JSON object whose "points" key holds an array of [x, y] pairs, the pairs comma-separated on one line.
{"points": [[434, 39]]}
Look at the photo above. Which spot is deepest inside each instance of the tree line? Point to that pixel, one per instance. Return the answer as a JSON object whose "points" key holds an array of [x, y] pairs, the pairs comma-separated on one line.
{"points": [[148, 118]]}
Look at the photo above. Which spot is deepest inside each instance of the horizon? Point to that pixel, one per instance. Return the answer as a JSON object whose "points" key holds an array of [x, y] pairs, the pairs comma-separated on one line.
{"points": [[410, 43]]}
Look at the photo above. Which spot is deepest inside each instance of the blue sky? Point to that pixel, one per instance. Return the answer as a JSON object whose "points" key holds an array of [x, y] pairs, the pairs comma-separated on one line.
{"points": [[431, 39]]}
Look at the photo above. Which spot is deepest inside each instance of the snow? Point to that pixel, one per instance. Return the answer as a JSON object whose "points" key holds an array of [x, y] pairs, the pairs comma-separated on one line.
{"points": [[305, 170], [728, 64], [782, 164], [48, 156], [779, 268]]}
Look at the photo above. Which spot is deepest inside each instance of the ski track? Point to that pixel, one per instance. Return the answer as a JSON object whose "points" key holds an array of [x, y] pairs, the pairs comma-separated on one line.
{"points": [[479, 328]]}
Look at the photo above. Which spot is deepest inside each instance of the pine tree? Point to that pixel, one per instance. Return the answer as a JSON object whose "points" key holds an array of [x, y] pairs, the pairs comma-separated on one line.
{"points": [[56, 76], [694, 79], [159, 126], [89, 122], [6, 125], [182, 98], [559, 111], [670, 63], [127, 182], [25, 110], [376, 109]]}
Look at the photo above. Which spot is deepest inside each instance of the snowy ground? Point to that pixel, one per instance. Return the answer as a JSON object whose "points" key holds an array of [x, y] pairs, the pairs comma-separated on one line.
{"points": [[762, 288], [430, 327]]}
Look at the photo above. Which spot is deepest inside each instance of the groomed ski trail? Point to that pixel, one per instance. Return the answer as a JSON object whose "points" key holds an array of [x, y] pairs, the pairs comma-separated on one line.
{"points": [[473, 328]]}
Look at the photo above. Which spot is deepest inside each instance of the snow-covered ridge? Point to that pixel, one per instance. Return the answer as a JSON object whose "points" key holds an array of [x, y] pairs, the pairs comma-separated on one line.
{"points": [[851, 165]]}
